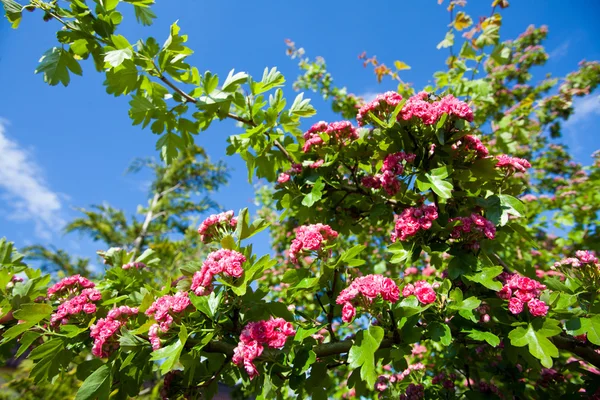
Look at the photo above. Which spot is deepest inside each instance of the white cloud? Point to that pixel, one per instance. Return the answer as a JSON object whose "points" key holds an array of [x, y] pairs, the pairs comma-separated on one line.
{"points": [[24, 190], [584, 109], [578, 126], [369, 96], [560, 51]]}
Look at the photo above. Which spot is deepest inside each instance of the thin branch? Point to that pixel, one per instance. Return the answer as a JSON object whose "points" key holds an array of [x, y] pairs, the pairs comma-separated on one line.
{"points": [[586, 352], [139, 241]]}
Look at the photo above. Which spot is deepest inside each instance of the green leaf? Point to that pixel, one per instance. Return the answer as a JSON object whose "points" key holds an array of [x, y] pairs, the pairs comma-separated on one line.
{"points": [[464, 307], [116, 57], [441, 187], [144, 15], [362, 353], [447, 42], [271, 79], [97, 385], [486, 277], [171, 352], [13, 12], [55, 64], [233, 81], [50, 347], [593, 329], [33, 312], [536, 338], [510, 206], [302, 107], [315, 194], [400, 253], [440, 333], [26, 340], [481, 336], [252, 273]]}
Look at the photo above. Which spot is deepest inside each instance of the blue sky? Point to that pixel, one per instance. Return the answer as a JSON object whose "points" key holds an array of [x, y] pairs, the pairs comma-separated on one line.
{"points": [[62, 148]]}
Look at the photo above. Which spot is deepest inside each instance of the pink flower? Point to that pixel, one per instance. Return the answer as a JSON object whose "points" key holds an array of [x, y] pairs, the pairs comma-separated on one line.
{"points": [[537, 308], [136, 265], [383, 105], [228, 262], [413, 219], [216, 226], [515, 306], [474, 144], [408, 290], [310, 238], [348, 312], [103, 331], [472, 229], [512, 163], [505, 293], [70, 285], [338, 132], [283, 178], [424, 292], [163, 310], [272, 333]]}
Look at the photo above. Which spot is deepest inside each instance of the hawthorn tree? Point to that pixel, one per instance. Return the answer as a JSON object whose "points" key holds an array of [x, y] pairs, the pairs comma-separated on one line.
{"points": [[413, 249]]}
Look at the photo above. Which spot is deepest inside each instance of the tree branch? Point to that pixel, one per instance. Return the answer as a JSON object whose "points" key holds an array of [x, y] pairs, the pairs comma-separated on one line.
{"points": [[578, 348], [139, 241]]}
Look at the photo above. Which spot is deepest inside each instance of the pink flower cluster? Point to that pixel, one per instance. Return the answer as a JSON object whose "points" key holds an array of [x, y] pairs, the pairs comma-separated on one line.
{"points": [[472, 143], [311, 238], [213, 226], [294, 170], [512, 163], [418, 106], [228, 262], [388, 179], [422, 289], [271, 333], [369, 287], [136, 265], [70, 285], [162, 311], [102, 332], [473, 229], [582, 258], [383, 105], [340, 132], [519, 290], [413, 219], [80, 303]]}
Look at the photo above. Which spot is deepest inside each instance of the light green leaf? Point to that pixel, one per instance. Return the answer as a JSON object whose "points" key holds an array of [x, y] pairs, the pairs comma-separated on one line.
{"points": [[171, 352], [486, 277], [440, 333], [315, 194], [96, 386], [116, 57], [233, 81], [481, 336], [55, 64], [362, 353], [33, 312], [536, 338]]}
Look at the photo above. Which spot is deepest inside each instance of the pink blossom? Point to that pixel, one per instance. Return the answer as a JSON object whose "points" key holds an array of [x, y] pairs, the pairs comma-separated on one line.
{"points": [[103, 331], [393, 167], [537, 308], [283, 178], [341, 132], [408, 290], [413, 219], [136, 265], [75, 305], [424, 292], [474, 144], [310, 238], [216, 225], [512, 163], [515, 306], [163, 310], [505, 293], [272, 333], [383, 105], [472, 229], [348, 312], [228, 262], [70, 285]]}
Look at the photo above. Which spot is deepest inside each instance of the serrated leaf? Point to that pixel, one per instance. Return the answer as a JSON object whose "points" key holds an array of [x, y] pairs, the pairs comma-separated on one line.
{"points": [[536, 338], [315, 194], [362, 353], [400, 66], [439, 332], [486, 277], [55, 64], [116, 57], [33, 312], [481, 336], [233, 81], [96, 386], [462, 21]]}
